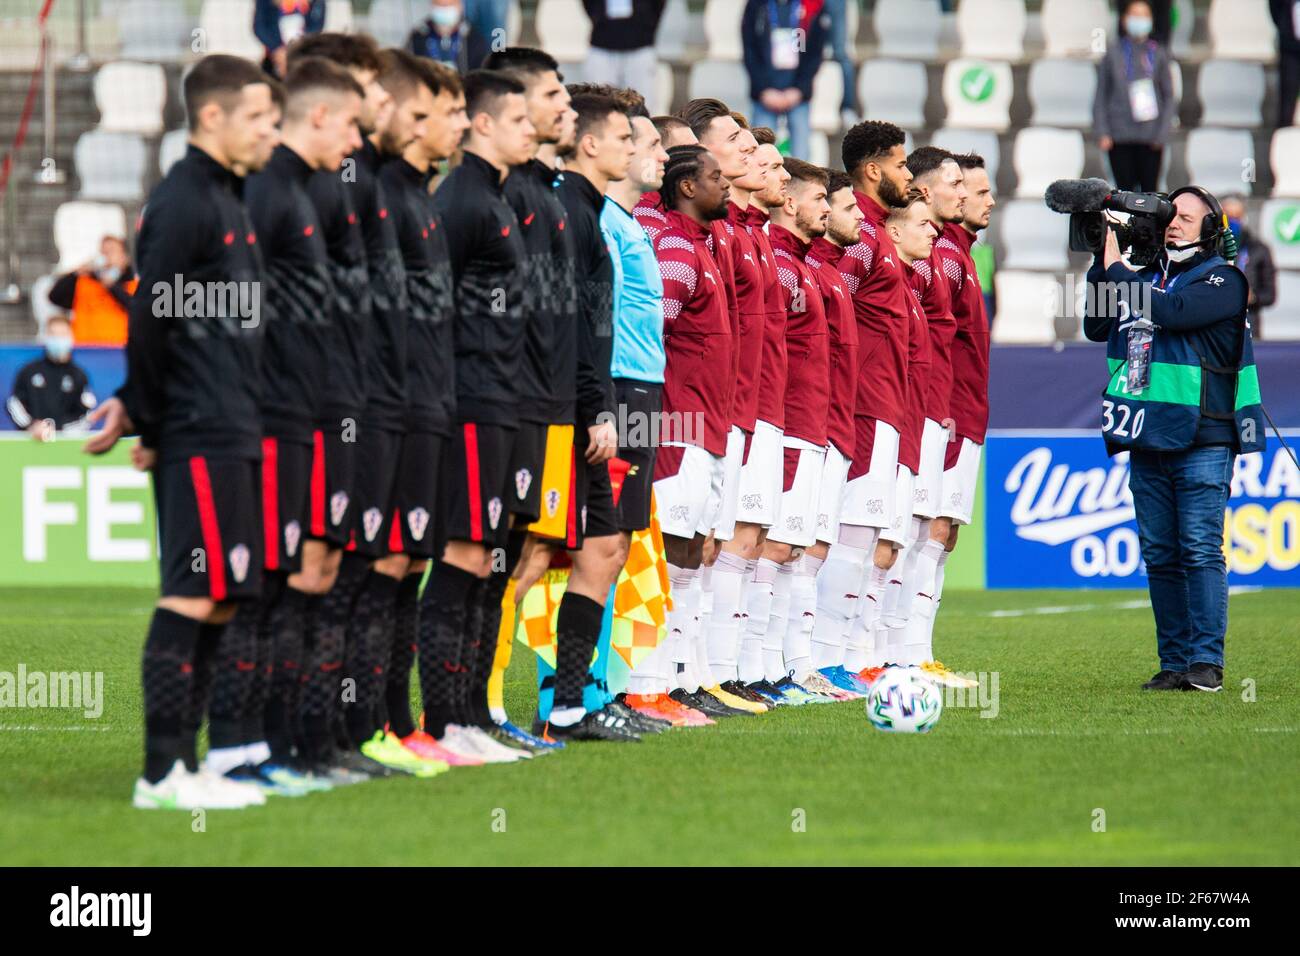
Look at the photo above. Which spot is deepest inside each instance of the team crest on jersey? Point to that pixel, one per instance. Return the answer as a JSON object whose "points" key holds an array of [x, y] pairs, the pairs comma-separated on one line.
{"points": [[751, 502], [370, 522], [292, 535], [552, 501], [38, 380], [494, 513], [823, 520], [239, 558], [67, 379], [523, 481], [956, 498], [876, 506], [794, 523], [921, 495], [338, 506], [418, 521], [679, 512]]}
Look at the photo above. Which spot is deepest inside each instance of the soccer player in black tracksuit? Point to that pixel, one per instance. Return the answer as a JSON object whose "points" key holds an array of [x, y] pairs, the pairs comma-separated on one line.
{"points": [[192, 394], [487, 255], [319, 130]]}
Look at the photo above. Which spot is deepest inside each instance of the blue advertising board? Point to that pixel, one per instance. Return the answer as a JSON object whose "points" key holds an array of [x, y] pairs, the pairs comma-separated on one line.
{"points": [[1059, 514]]}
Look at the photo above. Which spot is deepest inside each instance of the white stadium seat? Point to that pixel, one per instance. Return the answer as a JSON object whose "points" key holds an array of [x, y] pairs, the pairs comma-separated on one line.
{"points": [[722, 28], [563, 29], [908, 28], [1062, 92], [894, 91], [390, 21], [338, 16], [979, 141], [78, 228], [1184, 17], [1043, 154], [130, 97], [1176, 85], [663, 89], [42, 308], [819, 149], [1232, 93], [1242, 30], [828, 90], [1279, 227], [1076, 27], [171, 148], [977, 93], [1033, 237], [674, 31], [227, 27], [1284, 156], [727, 80], [154, 30], [1028, 303], [992, 29], [1220, 160], [110, 165], [1282, 320]]}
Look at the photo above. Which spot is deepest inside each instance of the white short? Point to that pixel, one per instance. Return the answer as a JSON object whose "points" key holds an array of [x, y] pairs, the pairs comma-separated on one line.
{"points": [[929, 480], [760, 477], [869, 498], [796, 519], [831, 496], [684, 497], [723, 525], [901, 526], [959, 483]]}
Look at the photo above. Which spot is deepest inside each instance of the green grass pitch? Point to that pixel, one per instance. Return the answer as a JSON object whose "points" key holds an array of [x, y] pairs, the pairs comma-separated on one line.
{"points": [[1188, 778]]}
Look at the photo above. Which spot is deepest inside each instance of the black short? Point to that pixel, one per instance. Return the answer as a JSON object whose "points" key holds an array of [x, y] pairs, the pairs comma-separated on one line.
{"points": [[527, 460], [378, 454], [417, 487], [597, 516], [333, 481], [286, 473], [476, 482], [632, 500], [210, 528]]}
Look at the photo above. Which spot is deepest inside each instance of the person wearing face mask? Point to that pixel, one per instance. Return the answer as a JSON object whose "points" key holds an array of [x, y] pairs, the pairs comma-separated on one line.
{"points": [[98, 294], [1253, 259], [51, 393], [446, 35], [1135, 106]]}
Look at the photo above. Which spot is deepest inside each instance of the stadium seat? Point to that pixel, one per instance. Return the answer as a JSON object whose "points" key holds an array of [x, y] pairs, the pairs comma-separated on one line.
{"points": [[727, 80], [1032, 236], [1028, 303], [338, 16], [1042, 154], [1282, 320], [819, 149], [1176, 84], [979, 141], [171, 148], [154, 30], [42, 308], [130, 97], [722, 28], [79, 227], [563, 29], [1184, 17], [828, 90], [977, 93], [1061, 92], [1073, 27], [390, 21], [1242, 30], [1284, 156], [1232, 93], [110, 165], [674, 31], [663, 92], [908, 28], [1218, 159], [227, 27], [514, 22], [895, 91], [1279, 227], [992, 29]]}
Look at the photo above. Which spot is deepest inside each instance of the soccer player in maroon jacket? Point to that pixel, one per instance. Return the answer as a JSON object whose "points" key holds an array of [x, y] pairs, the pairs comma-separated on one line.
{"points": [[649, 211], [875, 159]]}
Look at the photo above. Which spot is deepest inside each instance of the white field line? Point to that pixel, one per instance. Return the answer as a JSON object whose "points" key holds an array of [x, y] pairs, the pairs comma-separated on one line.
{"points": [[1118, 606]]}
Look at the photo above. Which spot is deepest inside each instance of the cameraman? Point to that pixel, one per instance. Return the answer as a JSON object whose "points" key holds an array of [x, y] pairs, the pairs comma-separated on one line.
{"points": [[1184, 418]]}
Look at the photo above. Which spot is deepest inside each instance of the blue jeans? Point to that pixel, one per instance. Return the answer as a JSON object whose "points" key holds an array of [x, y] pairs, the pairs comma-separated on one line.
{"points": [[484, 16], [840, 41], [798, 119], [1179, 497]]}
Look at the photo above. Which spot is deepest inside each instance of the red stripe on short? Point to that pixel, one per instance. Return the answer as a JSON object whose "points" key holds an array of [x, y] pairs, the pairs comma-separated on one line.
{"points": [[271, 502], [749, 443], [951, 452], [571, 519], [472, 479], [789, 466], [318, 483], [211, 530], [395, 534]]}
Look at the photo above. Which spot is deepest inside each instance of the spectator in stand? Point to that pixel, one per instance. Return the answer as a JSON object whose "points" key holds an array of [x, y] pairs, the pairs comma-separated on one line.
{"points": [[1253, 259], [844, 52], [277, 23], [623, 44], [51, 393], [785, 42], [1134, 108], [447, 36], [1286, 15], [98, 295]]}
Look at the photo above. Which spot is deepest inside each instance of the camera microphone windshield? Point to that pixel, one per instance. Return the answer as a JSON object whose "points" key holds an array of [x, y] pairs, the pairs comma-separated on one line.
{"points": [[1077, 195]]}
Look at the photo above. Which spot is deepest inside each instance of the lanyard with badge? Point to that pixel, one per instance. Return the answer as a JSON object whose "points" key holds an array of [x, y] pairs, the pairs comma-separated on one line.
{"points": [[1142, 90], [785, 52], [1141, 334]]}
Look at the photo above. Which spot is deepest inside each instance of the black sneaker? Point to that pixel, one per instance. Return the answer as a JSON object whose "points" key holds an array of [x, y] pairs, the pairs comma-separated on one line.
{"points": [[640, 723], [600, 725], [771, 694], [507, 740], [1204, 677], [1166, 680], [746, 693], [705, 702], [358, 762]]}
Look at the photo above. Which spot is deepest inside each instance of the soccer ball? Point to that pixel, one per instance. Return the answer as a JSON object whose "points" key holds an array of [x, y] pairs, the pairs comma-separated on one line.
{"points": [[903, 700]]}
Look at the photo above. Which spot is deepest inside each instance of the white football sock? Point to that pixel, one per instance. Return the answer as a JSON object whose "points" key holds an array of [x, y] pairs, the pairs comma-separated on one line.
{"points": [[838, 587], [758, 609], [774, 639], [722, 639], [224, 759], [680, 622], [938, 598], [257, 753], [858, 653], [801, 617]]}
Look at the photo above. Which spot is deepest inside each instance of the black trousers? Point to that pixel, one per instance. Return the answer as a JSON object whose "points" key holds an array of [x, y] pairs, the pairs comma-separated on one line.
{"points": [[1288, 86], [1135, 166]]}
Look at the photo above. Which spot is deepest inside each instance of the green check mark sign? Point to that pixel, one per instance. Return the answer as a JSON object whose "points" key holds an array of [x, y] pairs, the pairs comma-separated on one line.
{"points": [[1287, 224], [977, 84]]}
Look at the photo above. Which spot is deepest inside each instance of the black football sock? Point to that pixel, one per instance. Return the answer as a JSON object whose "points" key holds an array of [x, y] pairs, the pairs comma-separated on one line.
{"points": [[234, 673], [205, 663], [493, 590], [321, 678], [397, 696], [253, 722], [286, 623], [577, 630], [444, 614], [167, 676], [369, 633]]}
